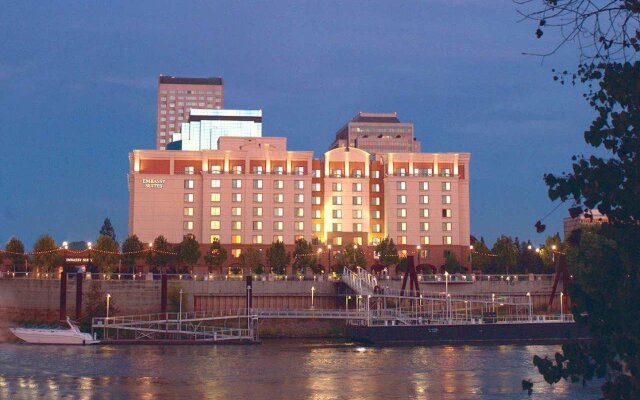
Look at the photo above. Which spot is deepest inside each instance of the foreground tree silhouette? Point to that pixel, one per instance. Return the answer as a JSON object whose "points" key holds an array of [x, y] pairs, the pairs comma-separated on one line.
{"points": [[216, 256], [46, 254]]}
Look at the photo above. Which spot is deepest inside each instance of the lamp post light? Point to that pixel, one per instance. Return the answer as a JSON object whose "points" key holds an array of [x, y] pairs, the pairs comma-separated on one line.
{"points": [[471, 256], [180, 313], [329, 251], [530, 307], [418, 251], [346, 305], [106, 320], [553, 253], [313, 289], [561, 306], [493, 302], [446, 283], [355, 248]]}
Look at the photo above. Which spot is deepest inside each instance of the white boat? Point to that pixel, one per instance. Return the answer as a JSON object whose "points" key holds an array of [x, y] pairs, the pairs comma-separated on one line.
{"points": [[73, 335]]}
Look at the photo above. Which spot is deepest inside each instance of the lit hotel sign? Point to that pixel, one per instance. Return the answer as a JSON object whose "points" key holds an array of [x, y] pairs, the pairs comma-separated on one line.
{"points": [[153, 183]]}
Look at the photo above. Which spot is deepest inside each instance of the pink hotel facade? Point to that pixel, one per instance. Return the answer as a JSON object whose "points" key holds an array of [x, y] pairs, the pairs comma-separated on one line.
{"points": [[253, 191]]}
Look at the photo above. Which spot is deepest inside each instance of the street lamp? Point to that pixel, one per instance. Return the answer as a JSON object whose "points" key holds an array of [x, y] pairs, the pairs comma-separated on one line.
{"points": [[446, 282], [418, 251], [530, 307], [329, 251], [180, 313], [355, 248], [313, 289], [471, 256], [346, 306], [553, 253], [106, 320]]}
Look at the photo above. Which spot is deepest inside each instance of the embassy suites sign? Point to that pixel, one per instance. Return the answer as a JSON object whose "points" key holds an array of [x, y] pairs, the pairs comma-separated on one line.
{"points": [[153, 183]]}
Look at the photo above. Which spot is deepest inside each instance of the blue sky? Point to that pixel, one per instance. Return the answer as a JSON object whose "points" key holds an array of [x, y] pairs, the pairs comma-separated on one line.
{"points": [[78, 90]]}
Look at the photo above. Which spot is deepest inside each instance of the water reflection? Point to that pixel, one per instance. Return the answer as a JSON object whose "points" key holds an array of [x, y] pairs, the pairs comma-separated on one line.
{"points": [[275, 369]]}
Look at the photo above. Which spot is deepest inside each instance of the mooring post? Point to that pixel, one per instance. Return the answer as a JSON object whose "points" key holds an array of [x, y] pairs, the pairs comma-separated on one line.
{"points": [[79, 279], [163, 294], [249, 301], [63, 296]]}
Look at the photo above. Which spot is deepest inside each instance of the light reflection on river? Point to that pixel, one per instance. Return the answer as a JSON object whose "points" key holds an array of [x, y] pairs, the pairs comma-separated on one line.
{"points": [[276, 370]]}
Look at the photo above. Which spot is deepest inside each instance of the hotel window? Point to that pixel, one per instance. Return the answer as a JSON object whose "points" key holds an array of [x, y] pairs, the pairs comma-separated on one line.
{"points": [[447, 240], [278, 198], [188, 225], [257, 169], [278, 212], [278, 238], [236, 239], [447, 213], [298, 184], [424, 199], [377, 228], [424, 240], [298, 170], [357, 173], [257, 225], [424, 185], [446, 186], [336, 200], [401, 171], [278, 184], [215, 225], [357, 200], [316, 187], [424, 226], [215, 183], [375, 214], [317, 214], [375, 241], [357, 187], [336, 173], [278, 225], [401, 185], [336, 214], [189, 184], [317, 173], [216, 169], [256, 239], [375, 187], [278, 170], [188, 212], [298, 212], [298, 225], [401, 226], [445, 172], [336, 187], [189, 170], [424, 213], [163, 141], [215, 211], [257, 183], [337, 241], [447, 226], [357, 240], [214, 238], [188, 197], [236, 225], [375, 201], [316, 228], [401, 213], [357, 214], [236, 197], [257, 211], [401, 240], [299, 198], [235, 211], [316, 200], [257, 197], [375, 174], [446, 199], [401, 199], [236, 183], [236, 169], [357, 227], [337, 227]]}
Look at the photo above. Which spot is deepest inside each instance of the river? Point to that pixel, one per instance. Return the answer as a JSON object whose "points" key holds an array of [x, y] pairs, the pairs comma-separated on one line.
{"points": [[276, 369]]}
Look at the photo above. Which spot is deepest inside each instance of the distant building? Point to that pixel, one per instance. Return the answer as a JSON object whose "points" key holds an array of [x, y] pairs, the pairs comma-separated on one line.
{"points": [[571, 224], [377, 133], [205, 127], [177, 96]]}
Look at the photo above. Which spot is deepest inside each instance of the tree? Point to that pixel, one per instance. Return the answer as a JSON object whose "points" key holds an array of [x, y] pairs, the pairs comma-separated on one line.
{"points": [[160, 254], [353, 256], [177, 300], [46, 253], [452, 266], [278, 258], [304, 256], [216, 256], [481, 259], [105, 254], [188, 251], [387, 252], [15, 252], [96, 305], [529, 260], [251, 261], [107, 229], [506, 254], [132, 249]]}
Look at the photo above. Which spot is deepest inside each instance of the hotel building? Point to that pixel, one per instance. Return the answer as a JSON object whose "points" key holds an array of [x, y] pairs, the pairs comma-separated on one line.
{"points": [[177, 96], [253, 191]]}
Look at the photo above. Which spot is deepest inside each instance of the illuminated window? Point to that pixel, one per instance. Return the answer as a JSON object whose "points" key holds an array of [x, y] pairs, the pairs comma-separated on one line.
{"points": [[401, 240], [447, 240], [337, 173], [257, 211], [298, 212], [278, 198], [189, 170], [336, 200], [357, 187], [236, 197], [215, 197], [401, 226], [447, 213], [298, 225], [336, 214], [278, 238], [357, 200], [236, 169], [357, 214], [278, 212], [187, 211], [336, 187], [236, 239], [375, 174], [236, 225], [424, 185], [316, 200], [236, 252], [401, 199], [298, 170], [316, 187], [189, 184], [278, 225], [215, 225], [257, 169], [188, 225], [375, 187], [188, 197], [214, 238], [216, 169], [337, 241], [401, 213], [424, 213], [358, 240], [317, 214], [257, 225], [257, 183], [445, 172], [317, 173], [278, 184], [401, 171], [424, 199], [278, 170], [299, 198], [375, 214], [215, 183], [401, 185], [446, 199], [256, 239], [424, 240], [236, 211], [377, 228], [447, 226], [446, 186], [257, 197], [424, 226], [236, 183], [357, 227], [357, 173], [298, 184], [337, 227], [215, 210], [316, 228]]}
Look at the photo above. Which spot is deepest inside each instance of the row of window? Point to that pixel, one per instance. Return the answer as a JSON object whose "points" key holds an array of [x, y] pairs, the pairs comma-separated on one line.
{"points": [[257, 184], [255, 239], [258, 170], [257, 211], [256, 225]]}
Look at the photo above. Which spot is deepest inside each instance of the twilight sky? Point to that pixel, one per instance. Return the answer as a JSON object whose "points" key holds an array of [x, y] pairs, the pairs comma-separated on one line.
{"points": [[78, 87]]}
